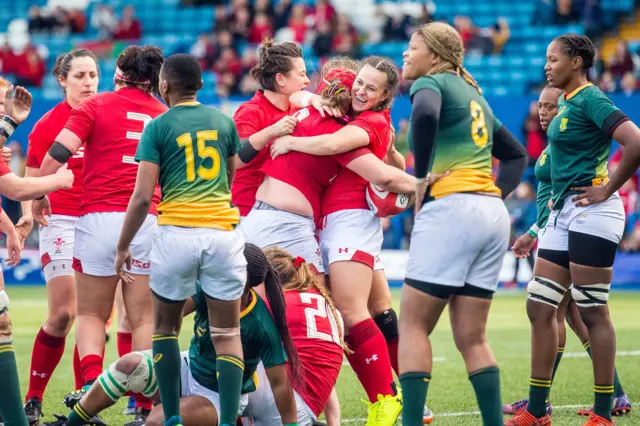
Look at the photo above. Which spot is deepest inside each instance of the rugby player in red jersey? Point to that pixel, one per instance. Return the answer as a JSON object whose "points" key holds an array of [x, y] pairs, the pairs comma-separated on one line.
{"points": [[77, 74], [351, 236], [281, 72], [288, 200], [111, 124]]}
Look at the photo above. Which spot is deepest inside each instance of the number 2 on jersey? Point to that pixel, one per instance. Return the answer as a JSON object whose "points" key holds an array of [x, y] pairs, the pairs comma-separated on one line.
{"points": [[185, 141], [312, 314], [478, 126]]}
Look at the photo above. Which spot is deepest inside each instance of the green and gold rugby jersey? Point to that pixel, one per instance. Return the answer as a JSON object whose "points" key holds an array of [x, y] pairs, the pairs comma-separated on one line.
{"points": [[580, 140], [260, 342], [543, 175], [192, 143], [464, 139]]}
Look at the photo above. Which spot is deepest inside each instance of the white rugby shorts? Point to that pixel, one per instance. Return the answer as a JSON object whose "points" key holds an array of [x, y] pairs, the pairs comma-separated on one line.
{"points": [[182, 256], [262, 410], [354, 235], [459, 239], [266, 226], [190, 387], [96, 239], [56, 244], [605, 220]]}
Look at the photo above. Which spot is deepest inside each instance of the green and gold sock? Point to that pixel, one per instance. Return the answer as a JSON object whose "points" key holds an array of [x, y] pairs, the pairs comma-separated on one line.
{"points": [[415, 386], [229, 370], [486, 384], [10, 401], [556, 364], [166, 363], [587, 347], [78, 416], [539, 390], [603, 400]]}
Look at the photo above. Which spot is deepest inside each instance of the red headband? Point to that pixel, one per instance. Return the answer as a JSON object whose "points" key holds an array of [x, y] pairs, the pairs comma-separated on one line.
{"points": [[119, 75], [298, 261]]}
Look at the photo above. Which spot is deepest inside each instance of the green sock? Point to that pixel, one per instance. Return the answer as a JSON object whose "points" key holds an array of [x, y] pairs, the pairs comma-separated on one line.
{"points": [[229, 370], [11, 401], [617, 386], [557, 363], [539, 390], [78, 416], [414, 394], [587, 347], [166, 363], [486, 384], [603, 400]]}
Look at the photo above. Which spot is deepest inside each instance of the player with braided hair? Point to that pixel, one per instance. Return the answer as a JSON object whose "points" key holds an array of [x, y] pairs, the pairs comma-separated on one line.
{"points": [[317, 330], [262, 342], [453, 130], [584, 228]]}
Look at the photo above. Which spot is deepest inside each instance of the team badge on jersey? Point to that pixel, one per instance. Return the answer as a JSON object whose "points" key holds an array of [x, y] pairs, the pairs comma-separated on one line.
{"points": [[563, 124], [543, 159], [562, 110]]}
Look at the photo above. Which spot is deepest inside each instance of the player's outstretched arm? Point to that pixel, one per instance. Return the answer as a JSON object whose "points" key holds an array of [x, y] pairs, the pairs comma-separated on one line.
{"points": [[283, 393], [373, 170], [17, 106], [67, 144], [28, 188], [344, 140], [137, 211]]}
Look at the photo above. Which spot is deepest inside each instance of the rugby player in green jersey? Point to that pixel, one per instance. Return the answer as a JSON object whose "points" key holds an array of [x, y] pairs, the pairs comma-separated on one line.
{"points": [[584, 228], [461, 229], [265, 338]]}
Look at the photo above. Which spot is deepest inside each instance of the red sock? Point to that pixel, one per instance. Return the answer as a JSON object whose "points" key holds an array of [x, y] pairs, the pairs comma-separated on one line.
{"points": [[46, 354], [124, 344], [370, 359], [77, 370], [91, 367], [392, 345], [143, 402]]}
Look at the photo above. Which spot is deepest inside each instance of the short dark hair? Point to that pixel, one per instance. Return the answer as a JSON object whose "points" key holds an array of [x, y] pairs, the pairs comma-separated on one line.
{"points": [[574, 45], [274, 59], [183, 73], [141, 64]]}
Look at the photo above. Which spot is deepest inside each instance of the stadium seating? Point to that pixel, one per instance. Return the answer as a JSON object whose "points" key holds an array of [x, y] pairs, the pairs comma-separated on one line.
{"points": [[175, 28]]}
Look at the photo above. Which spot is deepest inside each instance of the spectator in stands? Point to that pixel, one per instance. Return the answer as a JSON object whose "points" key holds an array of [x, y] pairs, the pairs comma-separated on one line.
{"points": [[499, 35], [465, 28], [592, 18], [621, 61], [21, 59], [324, 12], [533, 135], [426, 14], [205, 50], [565, 13], [220, 18], [324, 39], [629, 84], [264, 6], [607, 83], [282, 13], [377, 24], [129, 28], [297, 23], [345, 40], [629, 191], [39, 22], [397, 27], [240, 24], [544, 13], [261, 29], [595, 72], [228, 62], [225, 40], [104, 21]]}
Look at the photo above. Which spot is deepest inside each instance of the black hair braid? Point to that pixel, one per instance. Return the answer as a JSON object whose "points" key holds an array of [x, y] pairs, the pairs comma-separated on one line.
{"points": [[574, 45]]}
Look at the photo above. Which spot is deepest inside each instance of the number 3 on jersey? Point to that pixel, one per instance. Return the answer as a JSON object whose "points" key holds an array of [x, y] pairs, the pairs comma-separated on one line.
{"points": [[478, 126], [314, 314], [185, 141]]}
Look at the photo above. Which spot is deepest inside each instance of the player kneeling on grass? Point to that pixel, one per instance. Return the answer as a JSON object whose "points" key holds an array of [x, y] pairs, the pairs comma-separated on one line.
{"points": [[265, 338]]}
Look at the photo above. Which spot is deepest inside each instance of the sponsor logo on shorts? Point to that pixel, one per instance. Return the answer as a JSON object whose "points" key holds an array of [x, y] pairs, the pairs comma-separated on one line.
{"points": [[58, 243], [343, 250], [201, 331], [157, 358], [140, 264]]}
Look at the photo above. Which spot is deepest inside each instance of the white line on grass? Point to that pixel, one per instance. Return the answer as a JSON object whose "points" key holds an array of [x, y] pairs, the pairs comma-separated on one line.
{"points": [[475, 413], [585, 354], [435, 359]]}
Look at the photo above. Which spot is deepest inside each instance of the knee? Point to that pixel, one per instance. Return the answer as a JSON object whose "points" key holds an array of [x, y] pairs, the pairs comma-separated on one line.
{"points": [[128, 363], [5, 328], [387, 322], [540, 312], [156, 417], [466, 340], [62, 319], [593, 316]]}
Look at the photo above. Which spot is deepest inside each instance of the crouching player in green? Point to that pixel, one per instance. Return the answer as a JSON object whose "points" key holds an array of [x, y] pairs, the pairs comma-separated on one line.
{"points": [[265, 338]]}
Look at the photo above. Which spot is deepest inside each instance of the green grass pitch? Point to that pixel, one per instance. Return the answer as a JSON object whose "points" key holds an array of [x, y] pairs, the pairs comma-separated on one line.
{"points": [[450, 394]]}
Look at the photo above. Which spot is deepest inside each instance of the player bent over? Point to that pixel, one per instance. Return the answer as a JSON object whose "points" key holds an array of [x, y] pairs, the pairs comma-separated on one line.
{"points": [[264, 338]]}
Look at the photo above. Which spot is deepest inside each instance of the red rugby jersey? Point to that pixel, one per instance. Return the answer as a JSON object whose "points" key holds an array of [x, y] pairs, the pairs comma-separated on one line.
{"points": [[251, 117], [43, 135], [348, 189], [111, 124]]}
